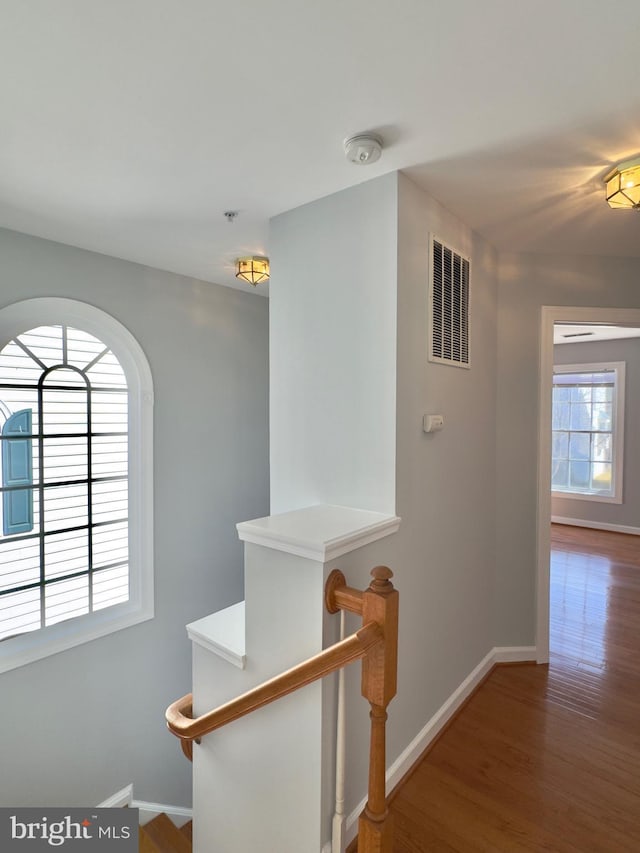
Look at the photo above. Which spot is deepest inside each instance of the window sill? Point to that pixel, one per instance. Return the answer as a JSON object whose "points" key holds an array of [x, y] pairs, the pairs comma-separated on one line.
{"points": [[35, 645], [580, 496]]}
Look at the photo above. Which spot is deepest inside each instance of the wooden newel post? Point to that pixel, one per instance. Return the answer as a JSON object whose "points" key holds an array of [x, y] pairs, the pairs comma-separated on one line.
{"points": [[379, 685]]}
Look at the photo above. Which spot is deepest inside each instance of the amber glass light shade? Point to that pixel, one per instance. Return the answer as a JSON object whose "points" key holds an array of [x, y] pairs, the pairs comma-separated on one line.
{"points": [[623, 185], [254, 270]]}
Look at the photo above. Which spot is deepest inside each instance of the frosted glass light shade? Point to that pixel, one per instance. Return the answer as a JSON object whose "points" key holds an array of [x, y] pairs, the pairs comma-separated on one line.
{"points": [[254, 270], [623, 185]]}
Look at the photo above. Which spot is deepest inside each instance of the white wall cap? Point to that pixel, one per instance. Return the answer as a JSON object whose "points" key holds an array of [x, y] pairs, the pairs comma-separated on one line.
{"points": [[319, 533], [222, 633]]}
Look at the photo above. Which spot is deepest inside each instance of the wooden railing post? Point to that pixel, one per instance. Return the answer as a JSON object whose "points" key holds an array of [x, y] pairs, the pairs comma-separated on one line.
{"points": [[379, 685]]}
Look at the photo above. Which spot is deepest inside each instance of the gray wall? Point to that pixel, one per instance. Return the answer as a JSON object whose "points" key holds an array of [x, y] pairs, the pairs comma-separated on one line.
{"points": [[78, 726], [527, 282], [445, 480], [444, 554], [628, 512]]}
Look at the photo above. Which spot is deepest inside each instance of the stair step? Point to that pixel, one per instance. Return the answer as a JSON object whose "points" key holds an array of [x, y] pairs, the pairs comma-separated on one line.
{"points": [[187, 830], [161, 835], [145, 844]]}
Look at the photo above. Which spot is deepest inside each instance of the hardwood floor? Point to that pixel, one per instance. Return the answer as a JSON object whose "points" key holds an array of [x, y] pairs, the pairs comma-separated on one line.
{"points": [[546, 758]]}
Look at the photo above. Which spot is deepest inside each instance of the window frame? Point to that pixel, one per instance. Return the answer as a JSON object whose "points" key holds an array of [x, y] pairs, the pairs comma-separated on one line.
{"points": [[617, 432], [18, 318]]}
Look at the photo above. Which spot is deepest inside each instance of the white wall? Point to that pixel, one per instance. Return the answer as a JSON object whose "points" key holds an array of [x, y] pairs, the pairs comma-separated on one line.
{"points": [[528, 282], [80, 725], [628, 512], [332, 350]]}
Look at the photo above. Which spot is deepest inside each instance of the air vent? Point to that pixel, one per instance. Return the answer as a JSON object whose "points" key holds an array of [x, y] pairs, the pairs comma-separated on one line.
{"points": [[448, 306]]}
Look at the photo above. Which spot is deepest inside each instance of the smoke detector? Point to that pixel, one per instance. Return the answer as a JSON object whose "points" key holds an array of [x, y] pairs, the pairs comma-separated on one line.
{"points": [[363, 149]]}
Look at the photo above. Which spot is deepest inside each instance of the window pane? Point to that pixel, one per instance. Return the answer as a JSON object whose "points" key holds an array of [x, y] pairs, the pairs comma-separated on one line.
{"points": [[602, 417], [21, 398], [110, 501], [581, 394], [45, 343], [65, 459], [64, 411], [560, 394], [19, 612], [64, 376], [82, 348], [110, 544], [17, 366], [560, 474], [66, 553], [66, 599], [602, 450], [109, 457], [110, 586], [601, 479], [561, 416], [20, 563], [36, 523], [579, 475], [579, 445], [580, 416], [109, 411], [603, 394], [107, 373], [65, 506], [560, 448]]}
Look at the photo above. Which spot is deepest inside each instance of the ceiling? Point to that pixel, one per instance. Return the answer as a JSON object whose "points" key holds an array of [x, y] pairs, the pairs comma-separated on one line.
{"points": [[128, 127]]}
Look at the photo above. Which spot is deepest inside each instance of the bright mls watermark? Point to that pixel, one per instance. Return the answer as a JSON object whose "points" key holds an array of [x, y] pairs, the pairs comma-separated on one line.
{"points": [[23, 830]]}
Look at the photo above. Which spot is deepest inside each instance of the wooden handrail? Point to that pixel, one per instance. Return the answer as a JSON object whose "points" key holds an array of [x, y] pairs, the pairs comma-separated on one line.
{"points": [[376, 643], [178, 715]]}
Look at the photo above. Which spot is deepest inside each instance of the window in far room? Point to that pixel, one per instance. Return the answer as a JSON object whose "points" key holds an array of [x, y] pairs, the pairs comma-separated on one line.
{"points": [[588, 431]]}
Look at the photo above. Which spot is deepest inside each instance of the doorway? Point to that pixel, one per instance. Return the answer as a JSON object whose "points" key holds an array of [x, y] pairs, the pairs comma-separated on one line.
{"points": [[552, 315]]}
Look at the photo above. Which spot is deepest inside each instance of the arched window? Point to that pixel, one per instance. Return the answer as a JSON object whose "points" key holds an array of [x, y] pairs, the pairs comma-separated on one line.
{"points": [[76, 475]]}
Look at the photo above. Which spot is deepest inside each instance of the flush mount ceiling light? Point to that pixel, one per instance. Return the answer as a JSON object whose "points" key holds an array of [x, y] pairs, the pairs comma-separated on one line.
{"points": [[623, 185], [363, 149], [254, 270]]}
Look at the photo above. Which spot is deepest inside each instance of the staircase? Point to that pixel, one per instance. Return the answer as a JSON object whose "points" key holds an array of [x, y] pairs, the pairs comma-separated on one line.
{"points": [[161, 835]]}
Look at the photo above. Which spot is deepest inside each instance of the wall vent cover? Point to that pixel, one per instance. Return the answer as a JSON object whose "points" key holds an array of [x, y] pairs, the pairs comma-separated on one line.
{"points": [[448, 305]]}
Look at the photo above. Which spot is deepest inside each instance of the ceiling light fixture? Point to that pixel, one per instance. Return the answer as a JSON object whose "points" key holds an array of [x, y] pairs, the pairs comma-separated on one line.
{"points": [[254, 270], [363, 149], [623, 185]]}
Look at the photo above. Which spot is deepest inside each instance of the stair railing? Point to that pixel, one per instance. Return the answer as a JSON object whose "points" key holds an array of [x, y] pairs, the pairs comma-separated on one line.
{"points": [[376, 643]]}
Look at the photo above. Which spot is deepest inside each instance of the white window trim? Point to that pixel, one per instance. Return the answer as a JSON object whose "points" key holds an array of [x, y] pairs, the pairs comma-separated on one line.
{"points": [[18, 318], [617, 431]]}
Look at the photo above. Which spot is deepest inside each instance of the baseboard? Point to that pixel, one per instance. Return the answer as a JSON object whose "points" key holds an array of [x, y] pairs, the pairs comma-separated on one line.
{"points": [[514, 654], [426, 736], [148, 811], [118, 800], [596, 525]]}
